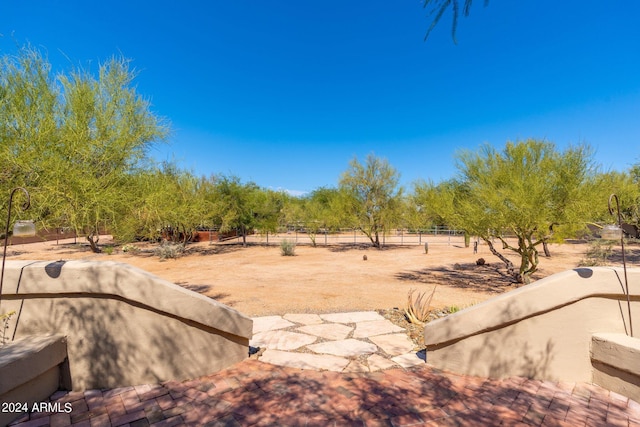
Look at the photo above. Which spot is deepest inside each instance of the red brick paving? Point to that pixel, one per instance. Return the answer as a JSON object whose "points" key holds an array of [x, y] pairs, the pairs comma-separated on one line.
{"points": [[253, 393]]}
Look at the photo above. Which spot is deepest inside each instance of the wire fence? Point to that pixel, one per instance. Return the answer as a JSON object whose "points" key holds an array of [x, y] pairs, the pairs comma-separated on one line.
{"points": [[350, 236]]}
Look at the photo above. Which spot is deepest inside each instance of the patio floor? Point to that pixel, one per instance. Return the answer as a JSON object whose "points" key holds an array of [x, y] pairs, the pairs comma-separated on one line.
{"points": [[256, 393]]}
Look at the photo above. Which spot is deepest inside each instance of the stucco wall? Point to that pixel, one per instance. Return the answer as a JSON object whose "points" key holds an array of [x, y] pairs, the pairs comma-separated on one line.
{"points": [[123, 325], [31, 370], [542, 330]]}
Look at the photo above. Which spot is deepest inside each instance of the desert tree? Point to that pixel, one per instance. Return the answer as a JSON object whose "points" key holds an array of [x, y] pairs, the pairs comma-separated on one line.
{"points": [[529, 190], [321, 211], [244, 207], [75, 138], [625, 185], [371, 196], [168, 202], [28, 127]]}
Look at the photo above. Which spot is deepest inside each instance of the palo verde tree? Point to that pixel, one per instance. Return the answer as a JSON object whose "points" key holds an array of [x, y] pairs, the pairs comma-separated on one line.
{"points": [[320, 211], [439, 7], [530, 190], [245, 207], [169, 202], [372, 197], [75, 138]]}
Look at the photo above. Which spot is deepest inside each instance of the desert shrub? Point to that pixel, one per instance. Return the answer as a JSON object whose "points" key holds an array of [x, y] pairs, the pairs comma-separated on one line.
{"points": [[168, 250], [418, 308], [132, 249], [453, 309], [597, 254], [108, 250], [287, 247], [4, 324]]}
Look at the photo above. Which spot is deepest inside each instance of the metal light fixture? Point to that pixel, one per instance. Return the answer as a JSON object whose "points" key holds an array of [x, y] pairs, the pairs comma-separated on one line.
{"points": [[20, 229]]}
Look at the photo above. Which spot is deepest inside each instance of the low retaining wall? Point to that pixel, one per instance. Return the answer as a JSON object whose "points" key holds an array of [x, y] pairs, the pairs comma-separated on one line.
{"points": [[543, 330], [616, 363], [123, 325], [31, 370]]}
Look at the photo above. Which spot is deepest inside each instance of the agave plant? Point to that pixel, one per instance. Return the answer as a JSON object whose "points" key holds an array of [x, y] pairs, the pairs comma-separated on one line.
{"points": [[418, 308]]}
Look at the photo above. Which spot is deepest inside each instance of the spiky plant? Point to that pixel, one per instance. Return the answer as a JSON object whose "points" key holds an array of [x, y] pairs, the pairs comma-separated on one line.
{"points": [[418, 308]]}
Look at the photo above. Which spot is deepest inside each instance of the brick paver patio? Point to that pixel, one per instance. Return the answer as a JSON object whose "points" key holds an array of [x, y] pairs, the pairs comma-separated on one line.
{"points": [[253, 393]]}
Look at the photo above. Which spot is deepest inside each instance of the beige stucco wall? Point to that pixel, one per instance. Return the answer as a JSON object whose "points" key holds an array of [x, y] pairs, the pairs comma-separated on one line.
{"points": [[542, 330], [123, 325], [31, 370], [616, 363]]}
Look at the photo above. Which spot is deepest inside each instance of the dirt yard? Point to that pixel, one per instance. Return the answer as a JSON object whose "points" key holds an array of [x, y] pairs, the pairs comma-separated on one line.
{"points": [[257, 280]]}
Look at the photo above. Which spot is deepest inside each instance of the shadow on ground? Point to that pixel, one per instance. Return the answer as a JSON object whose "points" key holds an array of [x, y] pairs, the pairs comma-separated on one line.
{"points": [[484, 278]]}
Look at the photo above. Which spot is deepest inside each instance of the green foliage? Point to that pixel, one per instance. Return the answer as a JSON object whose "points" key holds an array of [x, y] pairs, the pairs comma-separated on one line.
{"points": [[167, 202], [370, 196], [453, 309], [626, 187], [287, 247], [318, 212], [75, 140], [529, 190], [245, 207]]}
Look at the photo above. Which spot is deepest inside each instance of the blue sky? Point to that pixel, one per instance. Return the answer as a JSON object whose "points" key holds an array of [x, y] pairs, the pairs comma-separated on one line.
{"points": [[286, 93]]}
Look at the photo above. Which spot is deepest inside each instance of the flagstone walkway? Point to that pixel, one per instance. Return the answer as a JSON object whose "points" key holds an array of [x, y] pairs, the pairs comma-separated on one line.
{"points": [[346, 369], [339, 342]]}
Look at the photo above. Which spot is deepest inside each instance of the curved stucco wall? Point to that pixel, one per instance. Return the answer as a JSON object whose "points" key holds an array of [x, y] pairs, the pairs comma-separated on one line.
{"points": [[123, 325], [542, 330]]}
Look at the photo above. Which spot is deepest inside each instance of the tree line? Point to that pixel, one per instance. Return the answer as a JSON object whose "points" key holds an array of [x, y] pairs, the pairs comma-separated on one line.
{"points": [[79, 142]]}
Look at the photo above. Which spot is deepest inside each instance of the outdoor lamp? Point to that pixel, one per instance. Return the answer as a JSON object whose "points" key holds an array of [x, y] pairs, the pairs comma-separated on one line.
{"points": [[24, 229], [20, 229]]}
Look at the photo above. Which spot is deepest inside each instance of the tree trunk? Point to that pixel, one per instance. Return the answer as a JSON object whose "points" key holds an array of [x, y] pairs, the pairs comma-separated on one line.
{"points": [[545, 247], [376, 244], [510, 268], [93, 242]]}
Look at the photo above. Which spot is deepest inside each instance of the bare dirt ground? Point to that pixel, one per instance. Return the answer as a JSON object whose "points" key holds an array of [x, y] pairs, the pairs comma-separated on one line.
{"points": [[258, 280]]}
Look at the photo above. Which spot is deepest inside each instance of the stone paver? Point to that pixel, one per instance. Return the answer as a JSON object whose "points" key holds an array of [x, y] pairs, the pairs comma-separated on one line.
{"points": [[408, 360], [281, 340], [375, 327], [305, 319], [305, 360], [379, 363], [253, 393], [352, 317], [345, 348], [392, 387], [329, 331], [269, 323], [393, 344]]}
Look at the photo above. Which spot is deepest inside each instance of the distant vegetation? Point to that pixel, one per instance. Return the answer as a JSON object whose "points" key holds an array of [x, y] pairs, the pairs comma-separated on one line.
{"points": [[79, 143]]}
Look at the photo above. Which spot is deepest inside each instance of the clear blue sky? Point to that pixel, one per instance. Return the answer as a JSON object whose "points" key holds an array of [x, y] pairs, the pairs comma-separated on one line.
{"points": [[286, 93]]}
